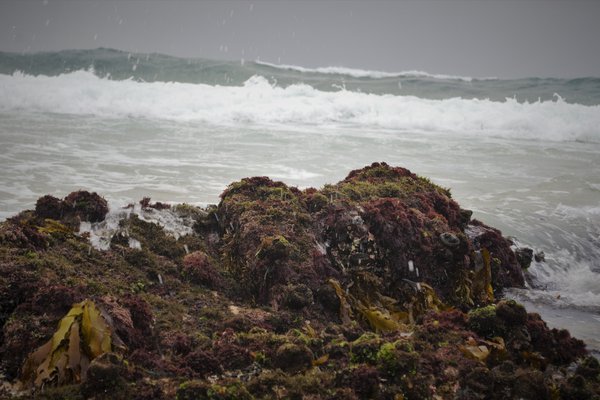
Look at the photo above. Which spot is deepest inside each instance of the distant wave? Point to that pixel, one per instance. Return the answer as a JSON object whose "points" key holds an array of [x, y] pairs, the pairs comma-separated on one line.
{"points": [[259, 102], [360, 73], [152, 67]]}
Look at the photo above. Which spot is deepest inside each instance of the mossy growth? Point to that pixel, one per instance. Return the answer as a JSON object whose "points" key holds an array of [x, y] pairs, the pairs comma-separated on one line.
{"points": [[315, 200], [298, 296], [56, 229], [260, 188], [66, 392], [202, 390], [314, 383], [293, 358], [365, 349], [511, 312], [394, 360], [185, 210], [274, 248], [485, 322], [379, 180]]}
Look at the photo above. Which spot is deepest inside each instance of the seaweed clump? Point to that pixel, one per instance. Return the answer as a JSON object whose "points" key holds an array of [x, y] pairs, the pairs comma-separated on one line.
{"points": [[268, 238], [77, 206]]}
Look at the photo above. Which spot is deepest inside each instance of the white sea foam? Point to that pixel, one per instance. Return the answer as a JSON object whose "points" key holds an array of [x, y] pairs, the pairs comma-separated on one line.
{"points": [[260, 102], [585, 212], [565, 281], [101, 233], [361, 73]]}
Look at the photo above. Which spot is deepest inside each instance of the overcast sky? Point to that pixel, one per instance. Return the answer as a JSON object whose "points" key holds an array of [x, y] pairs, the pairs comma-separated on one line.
{"points": [[474, 38]]}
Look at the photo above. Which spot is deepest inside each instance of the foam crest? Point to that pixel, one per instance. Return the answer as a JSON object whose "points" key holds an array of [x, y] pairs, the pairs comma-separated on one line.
{"points": [[260, 102], [361, 73]]}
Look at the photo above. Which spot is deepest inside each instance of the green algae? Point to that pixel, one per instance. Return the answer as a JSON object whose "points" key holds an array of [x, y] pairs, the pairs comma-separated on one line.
{"points": [[485, 322]]}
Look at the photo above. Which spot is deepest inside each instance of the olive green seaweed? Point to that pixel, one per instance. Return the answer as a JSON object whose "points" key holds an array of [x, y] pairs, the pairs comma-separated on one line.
{"points": [[82, 335]]}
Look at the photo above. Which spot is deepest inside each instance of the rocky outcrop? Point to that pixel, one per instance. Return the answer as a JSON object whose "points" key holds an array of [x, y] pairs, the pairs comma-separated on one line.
{"points": [[379, 286]]}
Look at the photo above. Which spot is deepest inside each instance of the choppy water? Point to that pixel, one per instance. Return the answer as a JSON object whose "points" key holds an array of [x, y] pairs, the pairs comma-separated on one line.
{"points": [[181, 130]]}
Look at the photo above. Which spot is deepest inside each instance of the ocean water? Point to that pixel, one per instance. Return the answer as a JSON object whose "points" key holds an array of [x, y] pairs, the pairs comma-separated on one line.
{"points": [[523, 154]]}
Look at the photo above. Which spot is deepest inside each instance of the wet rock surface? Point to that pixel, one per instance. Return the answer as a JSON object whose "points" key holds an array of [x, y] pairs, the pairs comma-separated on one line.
{"points": [[377, 287]]}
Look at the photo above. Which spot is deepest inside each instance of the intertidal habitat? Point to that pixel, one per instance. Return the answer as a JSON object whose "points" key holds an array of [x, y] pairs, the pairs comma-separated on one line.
{"points": [[377, 287]]}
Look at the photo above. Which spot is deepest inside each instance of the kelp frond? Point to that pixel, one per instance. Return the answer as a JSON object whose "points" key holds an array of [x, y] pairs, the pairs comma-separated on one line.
{"points": [[82, 335]]}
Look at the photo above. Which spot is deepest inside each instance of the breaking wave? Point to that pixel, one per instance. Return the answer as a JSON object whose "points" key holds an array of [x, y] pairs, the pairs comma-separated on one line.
{"points": [[260, 102], [152, 67]]}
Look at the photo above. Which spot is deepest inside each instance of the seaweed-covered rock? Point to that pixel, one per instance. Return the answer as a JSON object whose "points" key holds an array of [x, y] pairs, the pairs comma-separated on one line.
{"points": [[511, 313], [293, 358], [197, 268], [106, 376], [556, 345], [505, 268], [22, 232], [524, 256], [379, 286], [365, 380], [589, 368], [231, 356], [531, 385], [405, 230], [49, 207], [202, 363], [267, 237], [297, 296], [146, 204], [576, 388], [76, 207], [395, 361], [201, 390], [85, 205], [486, 322]]}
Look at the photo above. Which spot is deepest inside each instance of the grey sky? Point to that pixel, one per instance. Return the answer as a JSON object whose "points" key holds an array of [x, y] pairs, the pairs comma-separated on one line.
{"points": [[475, 38]]}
